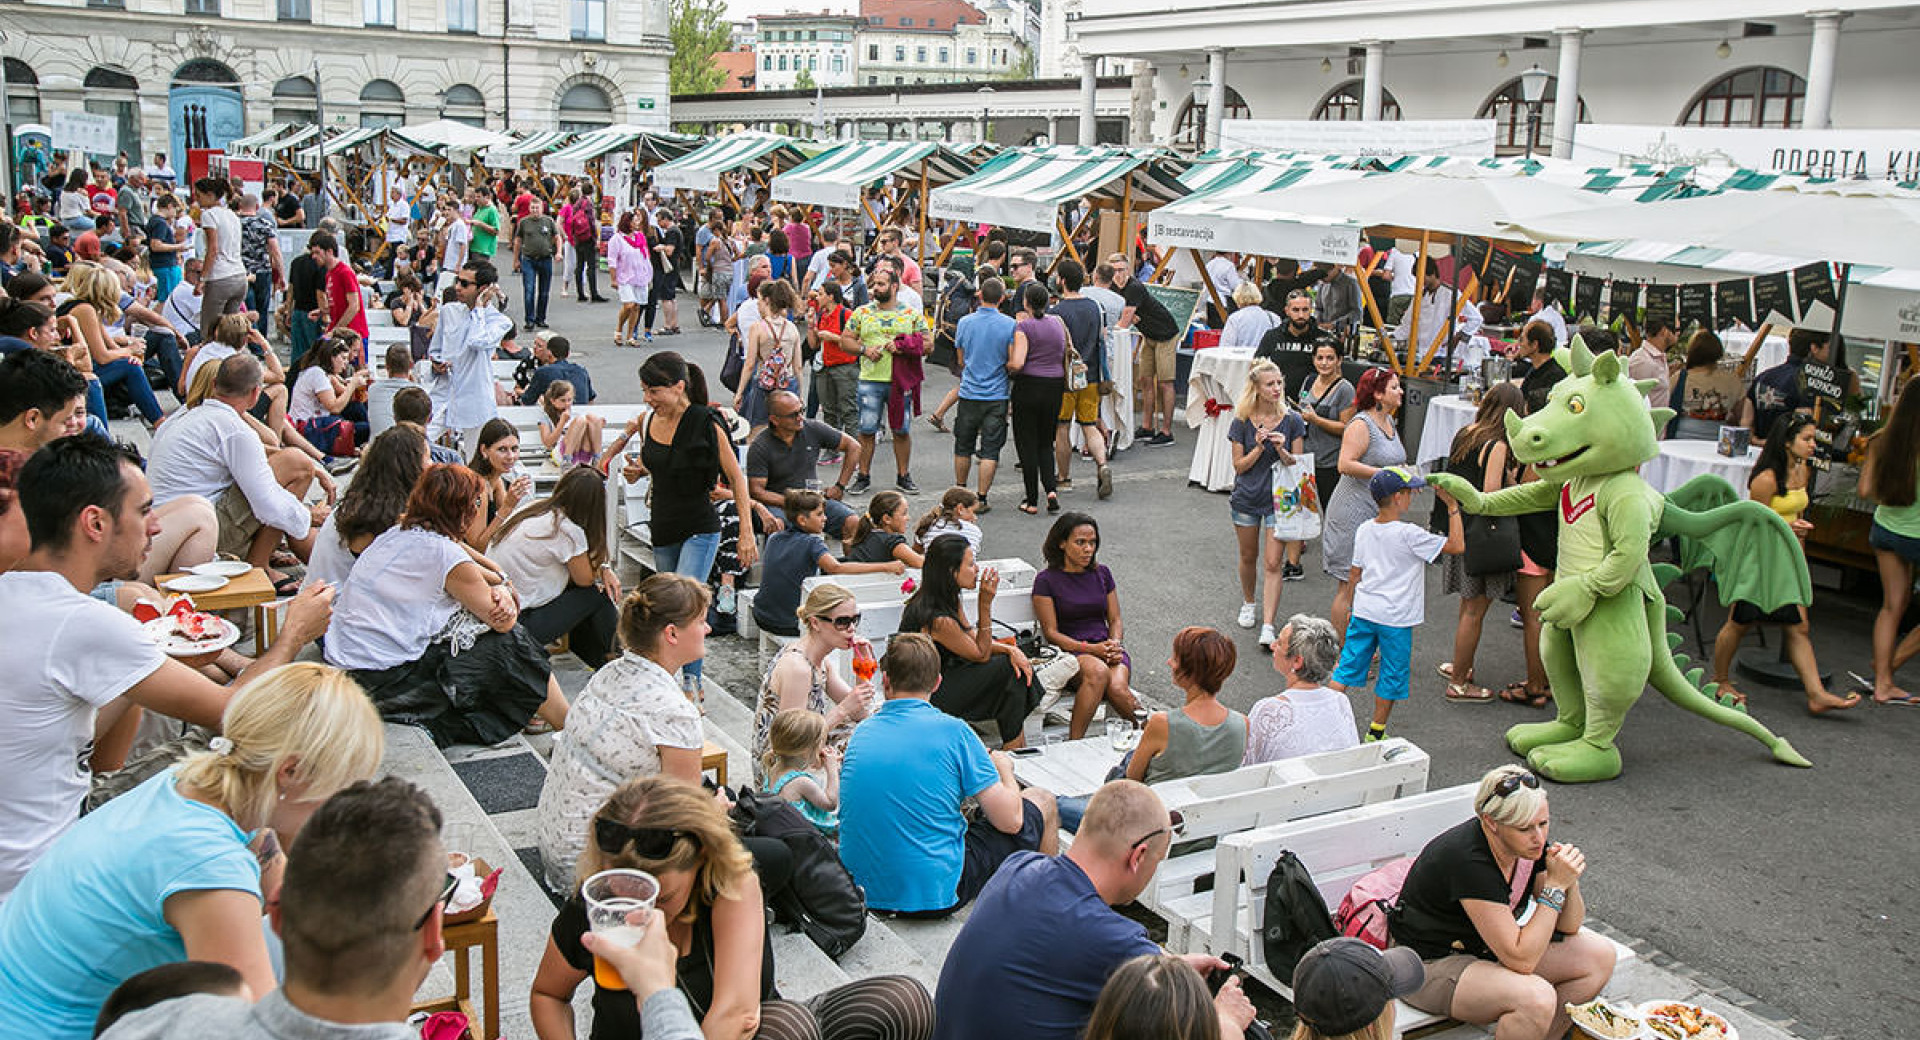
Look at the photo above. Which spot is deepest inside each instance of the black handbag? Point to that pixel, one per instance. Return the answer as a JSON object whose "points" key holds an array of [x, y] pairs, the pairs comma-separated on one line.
{"points": [[732, 368], [1493, 544]]}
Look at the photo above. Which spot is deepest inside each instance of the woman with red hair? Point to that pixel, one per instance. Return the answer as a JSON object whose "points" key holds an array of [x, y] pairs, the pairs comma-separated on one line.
{"points": [[1369, 445], [1203, 736], [432, 631]]}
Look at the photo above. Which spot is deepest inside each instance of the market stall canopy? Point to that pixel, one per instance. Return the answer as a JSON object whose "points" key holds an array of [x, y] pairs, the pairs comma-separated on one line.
{"points": [[443, 134], [358, 137], [262, 137], [837, 177], [654, 148], [294, 136], [1025, 187], [1857, 222], [700, 169], [510, 156]]}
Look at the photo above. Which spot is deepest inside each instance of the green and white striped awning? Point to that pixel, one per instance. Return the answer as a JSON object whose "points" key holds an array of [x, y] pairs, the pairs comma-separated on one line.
{"points": [[338, 144], [1026, 187], [510, 156], [572, 159], [700, 169], [260, 138], [837, 177]]}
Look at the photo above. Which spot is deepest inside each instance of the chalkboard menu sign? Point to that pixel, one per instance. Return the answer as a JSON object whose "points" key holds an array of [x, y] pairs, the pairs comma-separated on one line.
{"points": [[1473, 253], [1814, 282], [1586, 297], [1733, 301], [1662, 302], [1526, 275], [1499, 266], [1559, 286], [1696, 305], [1827, 386], [1624, 299], [1773, 294]]}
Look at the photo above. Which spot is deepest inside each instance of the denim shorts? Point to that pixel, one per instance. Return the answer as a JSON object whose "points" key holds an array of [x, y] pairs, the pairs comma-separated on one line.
{"points": [[1888, 540], [1240, 519], [872, 399]]}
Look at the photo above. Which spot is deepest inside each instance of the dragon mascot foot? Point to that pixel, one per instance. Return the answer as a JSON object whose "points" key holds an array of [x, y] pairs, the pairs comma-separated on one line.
{"points": [[1603, 637]]}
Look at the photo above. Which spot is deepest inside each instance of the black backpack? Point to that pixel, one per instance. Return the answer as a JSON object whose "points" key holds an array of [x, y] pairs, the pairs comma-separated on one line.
{"points": [[1296, 917], [822, 899]]}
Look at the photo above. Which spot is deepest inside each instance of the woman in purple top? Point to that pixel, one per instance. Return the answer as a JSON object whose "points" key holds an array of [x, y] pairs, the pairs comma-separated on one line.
{"points": [[1039, 366], [1078, 607]]}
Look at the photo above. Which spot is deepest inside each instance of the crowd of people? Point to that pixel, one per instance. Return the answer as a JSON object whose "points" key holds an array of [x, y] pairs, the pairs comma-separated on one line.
{"points": [[153, 802]]}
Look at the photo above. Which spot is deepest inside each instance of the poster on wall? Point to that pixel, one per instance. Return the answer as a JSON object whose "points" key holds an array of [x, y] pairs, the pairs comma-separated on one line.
{"points": [[85, 132], [1465, 138]]}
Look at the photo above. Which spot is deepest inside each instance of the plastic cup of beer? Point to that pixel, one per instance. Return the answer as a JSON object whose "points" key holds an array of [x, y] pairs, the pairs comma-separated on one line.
{"points": [[610, 896], [1119, 734]]}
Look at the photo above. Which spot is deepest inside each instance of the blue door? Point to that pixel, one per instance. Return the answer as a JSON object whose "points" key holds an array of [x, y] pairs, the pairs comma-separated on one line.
{"points": [[202, 117]]}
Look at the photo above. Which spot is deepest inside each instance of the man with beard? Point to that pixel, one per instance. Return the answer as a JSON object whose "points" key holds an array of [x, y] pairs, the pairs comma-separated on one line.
{"points": [[875, 328], [1291, 344]]}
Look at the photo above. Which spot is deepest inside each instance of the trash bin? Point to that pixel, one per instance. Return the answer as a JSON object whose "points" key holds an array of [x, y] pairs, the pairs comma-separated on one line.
{"points": [[1416, 394]]}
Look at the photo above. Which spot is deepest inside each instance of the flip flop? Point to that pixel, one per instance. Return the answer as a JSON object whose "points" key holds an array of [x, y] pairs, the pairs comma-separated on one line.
{"points": [[1909, 701], [1029, 509]]}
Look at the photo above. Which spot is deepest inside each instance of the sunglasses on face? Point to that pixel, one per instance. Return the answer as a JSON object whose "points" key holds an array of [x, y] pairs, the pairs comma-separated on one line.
{"points": [[1176, 823], [1510, 783], [465, 282], [845, 622], [446, 896], [649, 843], [795, 414]]}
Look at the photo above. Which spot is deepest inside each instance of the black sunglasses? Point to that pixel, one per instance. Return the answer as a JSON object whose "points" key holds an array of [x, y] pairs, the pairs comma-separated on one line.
{"points": [[649, 843], [446, 896], [843, 623], [465, 281], [1176, 823], [1510, 783]]}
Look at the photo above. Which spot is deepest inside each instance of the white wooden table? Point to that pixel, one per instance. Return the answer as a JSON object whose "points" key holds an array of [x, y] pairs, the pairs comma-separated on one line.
{"points": [[881, 599], [1071, 767], [1217, 376]]}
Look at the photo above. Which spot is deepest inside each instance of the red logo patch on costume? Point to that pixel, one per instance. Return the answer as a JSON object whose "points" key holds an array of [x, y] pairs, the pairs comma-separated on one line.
{"points": [[1571, 511]]}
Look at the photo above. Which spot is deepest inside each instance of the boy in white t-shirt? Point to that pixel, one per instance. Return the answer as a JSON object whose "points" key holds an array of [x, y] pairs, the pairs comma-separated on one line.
{"points": [[1389, 597]]}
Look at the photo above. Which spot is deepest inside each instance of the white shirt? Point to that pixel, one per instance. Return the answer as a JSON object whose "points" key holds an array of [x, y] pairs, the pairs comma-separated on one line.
{"points": [[1392, 557], [1435, 310], [211, 352], [535, 554], [964, 528], [1552, 316], [398, 214], [465, 340], [304, 402], [66, 655], [1246, 326], [225, 263], [397, 601], [206, 450], [817, 267], [1299, 722], [910, 298], [1224, 276], [1400, 265], [183, 309], [630, 709], [1112, 304], [331, 561], [380, 403], [455, 254]]}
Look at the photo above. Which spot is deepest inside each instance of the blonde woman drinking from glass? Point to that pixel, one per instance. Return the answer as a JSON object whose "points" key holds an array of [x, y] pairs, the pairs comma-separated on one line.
{"points": [[800, 676]]}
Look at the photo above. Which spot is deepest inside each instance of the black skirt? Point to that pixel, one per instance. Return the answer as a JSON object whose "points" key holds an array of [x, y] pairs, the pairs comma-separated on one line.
{"points": [[481, 695], [982, 691]]}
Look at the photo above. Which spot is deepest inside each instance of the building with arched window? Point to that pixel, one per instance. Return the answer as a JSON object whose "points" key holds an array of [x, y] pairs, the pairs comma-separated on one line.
{"points": [[1513, 123], [1344, 104], [1759, 97], [199, 73]]}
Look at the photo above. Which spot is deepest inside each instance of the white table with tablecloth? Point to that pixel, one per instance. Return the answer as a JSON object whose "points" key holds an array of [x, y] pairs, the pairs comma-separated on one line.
{"points": [[1217, 376], [1446, 416], [1116, 408], [1681, 461]]}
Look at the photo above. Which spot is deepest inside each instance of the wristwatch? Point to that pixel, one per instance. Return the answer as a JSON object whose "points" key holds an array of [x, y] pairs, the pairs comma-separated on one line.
{"points": [[1555, 898]]}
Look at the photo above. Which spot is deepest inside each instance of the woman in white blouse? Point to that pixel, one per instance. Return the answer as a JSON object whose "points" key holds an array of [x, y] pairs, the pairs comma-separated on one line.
{"points": [[632, 721], [555, 553], [1306, 718], [1249, 321], [432, 634]]}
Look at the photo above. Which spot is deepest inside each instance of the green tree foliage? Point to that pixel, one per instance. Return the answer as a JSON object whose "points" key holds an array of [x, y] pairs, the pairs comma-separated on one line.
{"points": [[1023, 67], [804, 81], [698, 30]]}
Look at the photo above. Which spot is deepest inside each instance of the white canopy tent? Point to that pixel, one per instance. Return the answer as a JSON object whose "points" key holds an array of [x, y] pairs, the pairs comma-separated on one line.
{"points": [[838, 177], [1025, 187]]}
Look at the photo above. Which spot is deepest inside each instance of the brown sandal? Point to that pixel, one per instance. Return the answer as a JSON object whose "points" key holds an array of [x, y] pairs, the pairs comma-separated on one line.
{"points": [[1517, 693]]}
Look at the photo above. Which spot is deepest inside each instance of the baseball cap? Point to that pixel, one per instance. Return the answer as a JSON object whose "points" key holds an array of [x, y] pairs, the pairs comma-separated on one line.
{"points": [[1342, 984], [1391, 480]]}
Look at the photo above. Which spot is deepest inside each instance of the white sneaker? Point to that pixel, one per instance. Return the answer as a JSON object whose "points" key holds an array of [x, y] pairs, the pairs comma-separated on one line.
{"points": [[1267, 636], [1249, 615]]}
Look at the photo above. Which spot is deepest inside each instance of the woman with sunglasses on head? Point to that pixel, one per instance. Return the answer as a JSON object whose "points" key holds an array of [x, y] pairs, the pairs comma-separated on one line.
{"points": [[633, 720], [1461, 909], [800, 677], [712, 905]]}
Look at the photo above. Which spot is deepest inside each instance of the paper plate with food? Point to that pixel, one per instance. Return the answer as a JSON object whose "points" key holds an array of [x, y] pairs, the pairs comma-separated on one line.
{"points": [[1606, 1021], [181, 631], [1678, 1020]]}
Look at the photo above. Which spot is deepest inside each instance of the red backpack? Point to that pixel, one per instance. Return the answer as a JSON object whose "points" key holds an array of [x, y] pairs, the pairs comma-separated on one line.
{"points": [[579, 225], [1363, 913]]}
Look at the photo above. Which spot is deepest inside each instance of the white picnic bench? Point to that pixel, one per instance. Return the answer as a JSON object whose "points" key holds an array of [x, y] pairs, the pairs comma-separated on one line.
{"points": [[1337, 849]]}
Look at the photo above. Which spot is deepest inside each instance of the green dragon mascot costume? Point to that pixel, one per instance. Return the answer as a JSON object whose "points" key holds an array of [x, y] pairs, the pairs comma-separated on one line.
{"points": [[1603, 634]]}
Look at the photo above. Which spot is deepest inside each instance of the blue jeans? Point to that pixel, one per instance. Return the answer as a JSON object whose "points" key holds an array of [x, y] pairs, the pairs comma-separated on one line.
{"points": [[693, 558], [162, 347], [127, 372], [260, 299], [536, 280], [96, 403]]}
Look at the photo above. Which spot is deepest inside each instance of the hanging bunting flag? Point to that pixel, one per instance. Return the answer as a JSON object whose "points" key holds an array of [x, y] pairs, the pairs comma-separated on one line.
{"points": [[1559, 287], [1526, 276], [1473, 253], [1814, 284], [1773, 295], [1662, 302], [1586, 298], [1624, 299], [1696, 306], [1733, 301]]}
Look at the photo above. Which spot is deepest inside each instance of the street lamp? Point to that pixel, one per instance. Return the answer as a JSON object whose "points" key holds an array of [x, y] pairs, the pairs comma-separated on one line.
{"points": [[986, 102], [1202, 92], [1533, 90]]}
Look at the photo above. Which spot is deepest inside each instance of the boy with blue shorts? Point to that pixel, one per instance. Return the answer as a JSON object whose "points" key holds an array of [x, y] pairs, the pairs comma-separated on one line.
{"points": [[1389, 596]]}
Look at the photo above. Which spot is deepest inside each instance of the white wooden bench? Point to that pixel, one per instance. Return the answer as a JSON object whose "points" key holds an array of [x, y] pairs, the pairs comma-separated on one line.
{"points": [[1337, 849], [1271, 793]]}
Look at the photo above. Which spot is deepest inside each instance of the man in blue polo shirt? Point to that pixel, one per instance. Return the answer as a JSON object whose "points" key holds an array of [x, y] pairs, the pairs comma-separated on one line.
{"points": [[984, 339], [903, 836], [1042, 940]]}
